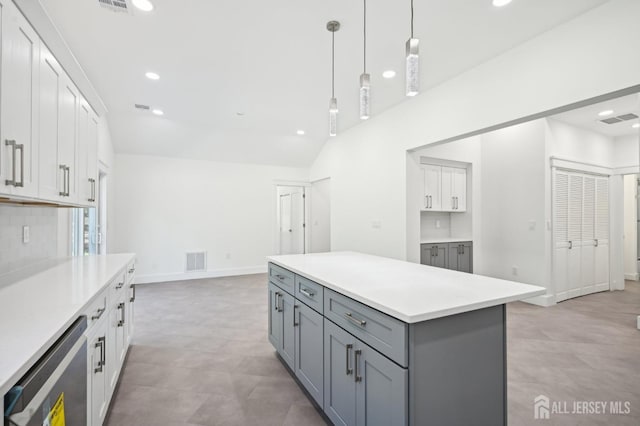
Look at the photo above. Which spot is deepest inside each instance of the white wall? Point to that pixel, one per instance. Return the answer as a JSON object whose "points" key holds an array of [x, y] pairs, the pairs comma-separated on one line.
{"points": [[513, 204], [630, 227], [167, 207], [321, 216], [573, 143], [581, 59], [626, 151]]}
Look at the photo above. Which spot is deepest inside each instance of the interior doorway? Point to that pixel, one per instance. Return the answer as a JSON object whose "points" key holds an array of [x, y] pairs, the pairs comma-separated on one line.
{"points": [[631, 240], [291, 219]]}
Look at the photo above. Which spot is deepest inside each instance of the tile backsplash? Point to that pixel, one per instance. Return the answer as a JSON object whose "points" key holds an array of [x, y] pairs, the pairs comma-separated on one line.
{"points": [[43, 234]]}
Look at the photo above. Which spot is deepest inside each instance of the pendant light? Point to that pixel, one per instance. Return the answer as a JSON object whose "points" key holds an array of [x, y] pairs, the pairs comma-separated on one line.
{"points": [[413, 63], [365, 79], [333, 26]]}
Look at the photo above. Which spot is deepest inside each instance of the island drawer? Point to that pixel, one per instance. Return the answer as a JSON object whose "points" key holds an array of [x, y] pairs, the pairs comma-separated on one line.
{"points": [[386, 334], [116, 287], [310, 293], [131, 271], [96, 310], [282, 278]]}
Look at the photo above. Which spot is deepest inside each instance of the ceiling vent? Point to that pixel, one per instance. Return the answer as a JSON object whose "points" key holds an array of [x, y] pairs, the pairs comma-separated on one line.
{"points": [[196, 261], [142, 107], [619, 119], [115, 5]]}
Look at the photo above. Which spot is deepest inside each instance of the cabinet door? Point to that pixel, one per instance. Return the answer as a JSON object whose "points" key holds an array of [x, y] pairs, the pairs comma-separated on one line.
{"points": [[288, 349], [440, 256], [85, 187], [339, 380], [382, 389], [97, 377], [130, 302], [309, 355], [67, 136], [459, 189], [19, 109], [432, 188], [92, 157], [116, 347], [460, 257], [51, 176], [426, 254], [448, 201], [275, 317]]}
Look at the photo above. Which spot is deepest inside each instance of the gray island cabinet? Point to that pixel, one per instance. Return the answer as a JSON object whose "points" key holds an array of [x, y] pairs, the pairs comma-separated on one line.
{"points": [[377, 341]]}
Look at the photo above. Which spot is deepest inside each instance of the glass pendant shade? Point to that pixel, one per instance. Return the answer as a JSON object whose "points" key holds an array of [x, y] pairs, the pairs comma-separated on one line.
{"points": [[413, 67], [333, 117], [365, 96]]}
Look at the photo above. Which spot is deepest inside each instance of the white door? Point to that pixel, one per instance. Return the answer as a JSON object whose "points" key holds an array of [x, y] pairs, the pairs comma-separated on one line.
{"points": [[432, 188], [18, 157], [447, 177], [291, 219], [602, 235], [561, 234], [459, 189], [51, 176], [574, 256]]}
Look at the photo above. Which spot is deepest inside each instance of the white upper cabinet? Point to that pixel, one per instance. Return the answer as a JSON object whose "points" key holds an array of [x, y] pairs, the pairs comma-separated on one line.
{"points": [[18, 104], [48, 133], [445, 188], [432, 188]]}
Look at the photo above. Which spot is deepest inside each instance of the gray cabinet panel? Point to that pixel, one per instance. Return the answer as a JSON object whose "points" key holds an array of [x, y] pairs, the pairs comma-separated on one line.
{"points": [[275, 318], [288, 348], [461, 257], [384, 333], [309, 293], [282, 277], [309, 354], [339, 381], [382, 395], [434, 255]]}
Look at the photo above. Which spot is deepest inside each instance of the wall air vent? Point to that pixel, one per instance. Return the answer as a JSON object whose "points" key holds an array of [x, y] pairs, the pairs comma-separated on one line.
{"points": [[115, 5], [620, 118], [196, 262], [142, 107]]}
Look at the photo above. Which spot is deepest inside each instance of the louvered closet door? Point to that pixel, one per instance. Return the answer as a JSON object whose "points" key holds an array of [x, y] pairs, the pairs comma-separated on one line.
{"points": [[574, 257], [602, 235], [588, 246], [561, 232]]}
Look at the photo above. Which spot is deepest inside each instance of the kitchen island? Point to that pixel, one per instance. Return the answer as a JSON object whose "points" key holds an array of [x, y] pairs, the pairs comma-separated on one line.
{"points": [[377, 341]]}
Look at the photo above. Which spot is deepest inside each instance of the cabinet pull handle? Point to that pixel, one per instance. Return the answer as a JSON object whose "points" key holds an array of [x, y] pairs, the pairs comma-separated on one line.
{"points": [[349, 370], [98, 315], [435, 250], [12, 144], [120, 285], [64, 180], [358, 377], [350, 317], [430, 201], [20, 147], [276, 306], [295, 324], [570, 245], [132, 270], [596, 242], [68, 181], [100, 344], [133, 293], [121, 307], [309, 294], [280, 277]]}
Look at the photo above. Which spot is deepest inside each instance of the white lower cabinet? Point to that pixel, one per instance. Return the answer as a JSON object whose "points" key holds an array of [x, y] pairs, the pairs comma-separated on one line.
{"points": [[110, 320]]}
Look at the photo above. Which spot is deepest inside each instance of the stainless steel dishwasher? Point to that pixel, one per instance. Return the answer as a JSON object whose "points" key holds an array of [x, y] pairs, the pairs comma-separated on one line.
{"points": [[54, 391]]}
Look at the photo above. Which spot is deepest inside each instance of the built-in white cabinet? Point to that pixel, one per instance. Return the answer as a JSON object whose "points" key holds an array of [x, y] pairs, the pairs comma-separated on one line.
{"points": [[98, 386], [18, 104], [445, 188], [48, 132]]}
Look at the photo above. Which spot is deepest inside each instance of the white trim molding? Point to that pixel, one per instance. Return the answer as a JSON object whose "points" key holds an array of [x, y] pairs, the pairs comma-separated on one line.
{"points": [[632, 277], [579, 166], [186, 276], [545, 300]]}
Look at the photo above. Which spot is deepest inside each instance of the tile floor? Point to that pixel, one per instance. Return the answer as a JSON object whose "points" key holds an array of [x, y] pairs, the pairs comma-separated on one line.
{"points": [[200, 356]]}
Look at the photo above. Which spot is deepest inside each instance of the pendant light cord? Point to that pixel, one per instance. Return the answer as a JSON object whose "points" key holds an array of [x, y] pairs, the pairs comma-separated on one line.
{"points": [[411, 18], [333, 65], [365, 37]]}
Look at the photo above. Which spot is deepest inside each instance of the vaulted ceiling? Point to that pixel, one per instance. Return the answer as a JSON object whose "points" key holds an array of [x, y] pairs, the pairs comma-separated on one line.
{"points": [[270, 61]]}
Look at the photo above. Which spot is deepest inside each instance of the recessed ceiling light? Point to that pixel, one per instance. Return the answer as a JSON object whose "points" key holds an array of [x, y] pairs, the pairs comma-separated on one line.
{"points": [[500, 3], [300, 132], [158, 112], [152, 76], [389, 74], [143, 5], [636, 126], [605, 113]]}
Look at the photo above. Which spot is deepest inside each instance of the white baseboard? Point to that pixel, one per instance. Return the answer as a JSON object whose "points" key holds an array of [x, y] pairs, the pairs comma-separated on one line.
{"points": [[545, 300], [632, 277], [184, 276]]}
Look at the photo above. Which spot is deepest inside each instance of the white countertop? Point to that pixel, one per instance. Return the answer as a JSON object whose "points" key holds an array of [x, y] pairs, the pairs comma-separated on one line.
{"points": [[444, 240], [37, 310], [407, 291]]}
